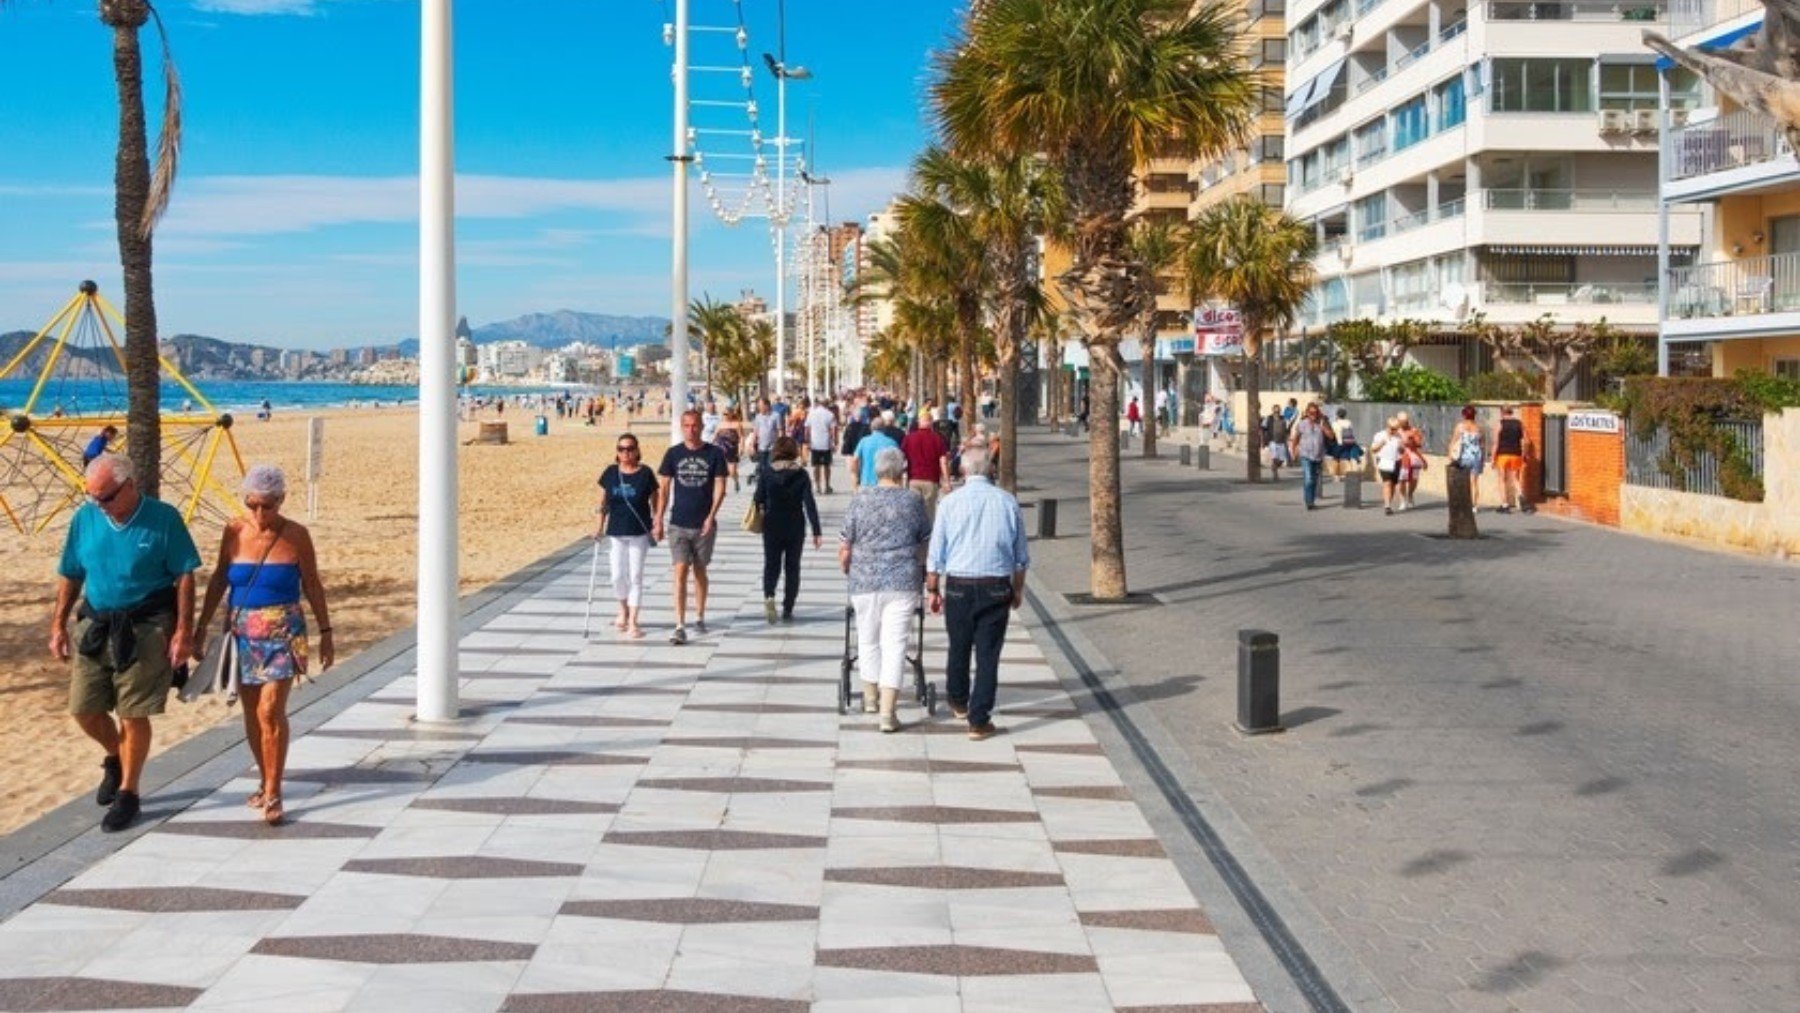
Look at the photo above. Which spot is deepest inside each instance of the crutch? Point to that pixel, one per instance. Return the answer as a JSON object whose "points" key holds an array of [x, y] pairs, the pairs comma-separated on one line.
{"points": [[593, 577]]}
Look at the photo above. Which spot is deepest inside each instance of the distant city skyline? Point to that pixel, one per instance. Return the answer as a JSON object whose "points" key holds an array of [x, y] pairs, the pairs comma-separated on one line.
{"points": [[293, 223]]}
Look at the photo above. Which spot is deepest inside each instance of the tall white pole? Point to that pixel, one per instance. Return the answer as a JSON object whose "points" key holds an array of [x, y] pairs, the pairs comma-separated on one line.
{"points": [[781, 231], [437, 606], [678, 279], [811, 271]]}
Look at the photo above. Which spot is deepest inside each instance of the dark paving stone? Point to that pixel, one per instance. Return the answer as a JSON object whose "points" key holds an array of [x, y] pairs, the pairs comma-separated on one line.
{"points": [[959, 961], [31, 995], [396, 734], [1066, 748], [468, 708], [552, 758], [293, 827], [175, 899], [586, 721], [711, 840], [393, 948], [929, 766], [732, 785], [1050, 713], [509, 806], [768, 680], [932, 814], [644, 665], [937, 877], [746, 742], [1122, 849], [358, 775], [778, 656], [463, 867], [1114, 793], [1163, 920], [664, 1001], [690, 911]]}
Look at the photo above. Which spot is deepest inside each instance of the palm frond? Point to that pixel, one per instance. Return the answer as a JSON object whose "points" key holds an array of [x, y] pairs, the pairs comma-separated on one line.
{"points": [[168, 146]]}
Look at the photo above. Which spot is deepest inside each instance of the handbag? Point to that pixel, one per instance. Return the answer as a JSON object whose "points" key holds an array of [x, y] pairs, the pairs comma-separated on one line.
{"points": [[219, 669], [753, 518]]}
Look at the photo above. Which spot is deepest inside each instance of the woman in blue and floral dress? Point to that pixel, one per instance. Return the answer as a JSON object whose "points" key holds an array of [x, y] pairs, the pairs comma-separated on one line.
{"points": [[885, 533], [268, 563]]}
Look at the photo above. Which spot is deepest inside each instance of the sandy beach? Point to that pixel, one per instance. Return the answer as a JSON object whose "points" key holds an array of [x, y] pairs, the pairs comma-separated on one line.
{"points": [[519, 502]]}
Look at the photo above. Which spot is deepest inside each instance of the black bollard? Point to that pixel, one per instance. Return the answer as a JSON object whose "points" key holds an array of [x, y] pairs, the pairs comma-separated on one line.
{"points": [[1353, 491], [1203, 457], [1187, 455], [1124, 439], [1259, 682], [1046, 518]]}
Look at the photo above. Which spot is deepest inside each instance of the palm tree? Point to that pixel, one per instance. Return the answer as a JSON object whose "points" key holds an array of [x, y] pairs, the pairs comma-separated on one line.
{"points": [[924, 316], [945, 255], [712, 324], [1096, 87], [1157, 246], [1259, 260]]}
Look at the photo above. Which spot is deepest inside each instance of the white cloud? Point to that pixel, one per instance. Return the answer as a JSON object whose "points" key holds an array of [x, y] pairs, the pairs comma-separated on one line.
{"points": [[857, 193], [257, 7]]}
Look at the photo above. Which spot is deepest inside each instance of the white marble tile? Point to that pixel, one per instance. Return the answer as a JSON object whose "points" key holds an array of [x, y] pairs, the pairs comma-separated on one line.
{"points": [[1012, 993], [1153, 979], [258, 984]]}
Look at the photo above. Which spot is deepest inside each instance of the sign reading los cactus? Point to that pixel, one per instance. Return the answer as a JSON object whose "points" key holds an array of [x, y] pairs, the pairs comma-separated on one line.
{"points": [[1593, 421]]}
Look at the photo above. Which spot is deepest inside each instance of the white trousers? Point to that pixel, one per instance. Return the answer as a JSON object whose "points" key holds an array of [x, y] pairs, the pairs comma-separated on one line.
{"points": [[627, 558], [883, 619]]}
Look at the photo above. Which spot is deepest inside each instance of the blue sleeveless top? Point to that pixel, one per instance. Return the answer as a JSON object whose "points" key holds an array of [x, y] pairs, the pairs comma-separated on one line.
{"points": [[276, 584]]}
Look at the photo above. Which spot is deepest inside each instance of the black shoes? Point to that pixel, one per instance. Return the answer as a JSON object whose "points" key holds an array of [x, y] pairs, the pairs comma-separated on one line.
{"points": [[109, 781], [124, 813]]}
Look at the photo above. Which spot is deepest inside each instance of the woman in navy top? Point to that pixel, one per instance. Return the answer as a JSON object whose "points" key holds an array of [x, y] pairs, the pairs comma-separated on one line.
{"points": [[268, 564], [626, 508]]}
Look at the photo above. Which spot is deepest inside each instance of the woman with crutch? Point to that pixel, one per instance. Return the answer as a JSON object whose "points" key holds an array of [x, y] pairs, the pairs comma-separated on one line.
{"points": [[626, 506]]}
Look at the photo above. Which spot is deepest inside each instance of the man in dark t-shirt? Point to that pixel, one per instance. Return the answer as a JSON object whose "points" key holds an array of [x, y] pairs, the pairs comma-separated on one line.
{"points": [[693, 488]]}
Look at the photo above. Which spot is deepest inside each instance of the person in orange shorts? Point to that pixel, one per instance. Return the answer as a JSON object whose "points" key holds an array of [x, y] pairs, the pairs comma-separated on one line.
{"points": [[1509, 460]]}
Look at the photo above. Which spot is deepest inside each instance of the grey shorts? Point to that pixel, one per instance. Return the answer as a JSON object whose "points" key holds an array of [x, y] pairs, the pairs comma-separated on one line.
{"points": [[690, 548]]}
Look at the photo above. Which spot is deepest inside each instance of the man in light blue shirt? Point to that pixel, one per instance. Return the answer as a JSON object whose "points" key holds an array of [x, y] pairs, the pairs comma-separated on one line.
{"points": [[975, 576], [862, 476]]}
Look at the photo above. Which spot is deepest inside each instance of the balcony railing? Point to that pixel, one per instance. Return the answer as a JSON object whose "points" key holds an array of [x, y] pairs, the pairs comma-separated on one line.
{"points": [[1426, 216], [1732, 141], [1578, 10], [1568, 293], [1568, 200], [1686, 16], [1452, 208], [1728, 288]]}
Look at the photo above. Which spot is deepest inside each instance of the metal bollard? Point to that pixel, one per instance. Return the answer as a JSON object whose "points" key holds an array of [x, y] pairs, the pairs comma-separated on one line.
{"points": [[1187, 455], [1259, 682], [1353, 491], [1046, 518], [1203, 457], [1124, 439], [1069, 429]]}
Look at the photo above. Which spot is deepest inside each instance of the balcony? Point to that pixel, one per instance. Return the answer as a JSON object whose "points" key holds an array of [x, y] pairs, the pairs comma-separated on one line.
{"points": [[1578, 10], [1747, 287], [1735, 153], [1689, 16], [1496, 293], [1568, 200]]}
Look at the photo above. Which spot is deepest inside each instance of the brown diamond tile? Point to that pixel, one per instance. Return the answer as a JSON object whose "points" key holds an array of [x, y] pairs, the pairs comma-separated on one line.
{"points": [[586, 721], [463, 867], [358, 775], [169, 899], [765, 680], [920, 765], [711, 840], [760, 708], [640, 665], [690, 910], [1197, 1007], [731, 785], [511, 806], [551, 758], [937, 877], [615, 691], [663, 1001], [294, 827], [30, 995], [1157, 920], [1065, 748], [1103, 792], [959, 961], [746, 742], [396, 734], [932, 814], [1145, 848], [395, 948], [1048, 713]]}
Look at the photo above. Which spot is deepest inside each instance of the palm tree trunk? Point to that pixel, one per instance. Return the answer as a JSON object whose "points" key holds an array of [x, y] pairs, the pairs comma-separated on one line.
{"points": [[1148, 381], [1252, 421], [131, 185], [1009, 421], [1105, 507]]}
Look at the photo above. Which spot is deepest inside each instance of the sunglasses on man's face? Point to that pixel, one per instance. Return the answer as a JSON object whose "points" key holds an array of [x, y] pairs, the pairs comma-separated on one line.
{"points": [[109, 497]]}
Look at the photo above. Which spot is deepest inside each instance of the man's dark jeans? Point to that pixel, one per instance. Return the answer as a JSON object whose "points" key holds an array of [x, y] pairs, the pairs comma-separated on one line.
{"points": [[781, 558], [975, 615]]}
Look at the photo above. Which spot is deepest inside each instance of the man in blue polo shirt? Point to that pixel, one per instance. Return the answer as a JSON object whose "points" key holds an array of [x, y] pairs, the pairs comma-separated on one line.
{"points": [[862, 476], [130, 562]]}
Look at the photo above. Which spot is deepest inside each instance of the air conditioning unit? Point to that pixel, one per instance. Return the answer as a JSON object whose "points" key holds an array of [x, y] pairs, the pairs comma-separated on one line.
{"points": [[1345, 175], [1615, 121], [1643, 121], [1343, 32], [1346, 252], [1679, 117]]}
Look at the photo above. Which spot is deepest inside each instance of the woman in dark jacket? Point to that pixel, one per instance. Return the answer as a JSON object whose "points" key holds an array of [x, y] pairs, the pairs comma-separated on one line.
{"points": [[785, 494]]}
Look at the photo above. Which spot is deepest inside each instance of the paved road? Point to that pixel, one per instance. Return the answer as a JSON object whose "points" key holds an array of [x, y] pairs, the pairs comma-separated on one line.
{"points": [[1556, 769]]}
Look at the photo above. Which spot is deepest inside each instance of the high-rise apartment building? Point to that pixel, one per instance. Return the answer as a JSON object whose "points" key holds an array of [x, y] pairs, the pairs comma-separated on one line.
{"points": [[1739, 306], [1495, 157]]}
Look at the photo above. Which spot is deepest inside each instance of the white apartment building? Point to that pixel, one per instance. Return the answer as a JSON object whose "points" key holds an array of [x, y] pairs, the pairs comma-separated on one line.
{"points": [[508, 359], [1494, 157]]}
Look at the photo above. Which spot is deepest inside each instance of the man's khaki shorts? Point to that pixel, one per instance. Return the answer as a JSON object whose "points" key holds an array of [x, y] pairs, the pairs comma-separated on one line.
{"points": [[137, 692], [687, 547]]}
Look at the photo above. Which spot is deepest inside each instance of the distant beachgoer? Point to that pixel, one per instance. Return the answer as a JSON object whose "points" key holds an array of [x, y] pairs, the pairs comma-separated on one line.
{"points": [[821, 433], [730, 441], [1306, 444], [1412, 458], [269, 564], [98, 445], [627, 501]]}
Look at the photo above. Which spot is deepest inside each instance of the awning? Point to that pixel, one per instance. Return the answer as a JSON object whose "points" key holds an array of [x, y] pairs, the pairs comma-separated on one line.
{"points": [[1720, 41], [1583, 251], [1315, 91]]}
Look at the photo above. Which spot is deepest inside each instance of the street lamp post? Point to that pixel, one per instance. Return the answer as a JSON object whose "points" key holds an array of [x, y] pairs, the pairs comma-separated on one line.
{"points": [[779, 214], [678, 272]]}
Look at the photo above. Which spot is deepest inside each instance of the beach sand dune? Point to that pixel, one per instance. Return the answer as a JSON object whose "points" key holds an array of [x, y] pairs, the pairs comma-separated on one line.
{"points": [[518, 503]]}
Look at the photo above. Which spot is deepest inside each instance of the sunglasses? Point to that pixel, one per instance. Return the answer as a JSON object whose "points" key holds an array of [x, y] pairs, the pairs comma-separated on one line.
{"points": [[109, 497], [632, 449]]}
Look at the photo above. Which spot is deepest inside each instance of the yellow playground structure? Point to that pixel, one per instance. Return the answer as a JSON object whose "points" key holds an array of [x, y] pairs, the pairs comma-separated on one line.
{"points": [[75, 366]]}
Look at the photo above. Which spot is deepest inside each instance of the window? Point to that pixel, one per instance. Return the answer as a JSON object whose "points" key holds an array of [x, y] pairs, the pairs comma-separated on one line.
{"points": [[1273, 194], [1629, 86], [1260, 9], [1337, 156], [1371, 142], [1543, 86], [1784, 234], [1272, 148], [1371, 217], [1411, 125], [1332, 15], [1272, 102], [1787, 369], [1451, 108], [1271, 51], [1306, 37]]}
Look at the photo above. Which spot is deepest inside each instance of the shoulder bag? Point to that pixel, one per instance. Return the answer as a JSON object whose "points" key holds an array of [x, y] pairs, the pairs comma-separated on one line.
{"points": [[219, 670]]}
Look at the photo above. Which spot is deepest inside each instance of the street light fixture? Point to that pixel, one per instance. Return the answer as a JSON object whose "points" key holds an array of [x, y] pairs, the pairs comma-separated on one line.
{"points": [[779, 213]]}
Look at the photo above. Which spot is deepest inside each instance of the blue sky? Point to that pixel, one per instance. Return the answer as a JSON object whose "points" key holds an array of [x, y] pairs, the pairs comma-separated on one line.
{"points": [[294, 219]]}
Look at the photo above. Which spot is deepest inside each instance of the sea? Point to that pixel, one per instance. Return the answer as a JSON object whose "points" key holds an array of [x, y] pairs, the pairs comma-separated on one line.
{"points": [[106, 396]]}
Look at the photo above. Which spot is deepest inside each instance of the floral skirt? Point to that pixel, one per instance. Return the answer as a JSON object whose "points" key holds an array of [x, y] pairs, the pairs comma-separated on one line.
{"points": [[271, 644]]}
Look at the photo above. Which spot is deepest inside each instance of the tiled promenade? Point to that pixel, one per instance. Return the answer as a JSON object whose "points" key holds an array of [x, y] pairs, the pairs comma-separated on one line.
{"points": [[625, 825]]}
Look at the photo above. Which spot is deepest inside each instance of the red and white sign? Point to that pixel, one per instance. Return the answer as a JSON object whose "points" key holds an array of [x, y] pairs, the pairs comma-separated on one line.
{"points": [[1218, 331]]}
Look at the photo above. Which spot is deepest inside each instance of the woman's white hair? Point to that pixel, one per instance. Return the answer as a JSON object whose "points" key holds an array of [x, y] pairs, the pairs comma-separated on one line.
{"points": [[264, 480], [890, 463]]}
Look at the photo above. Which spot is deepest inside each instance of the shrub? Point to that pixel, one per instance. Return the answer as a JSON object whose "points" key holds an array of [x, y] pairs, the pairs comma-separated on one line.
{"points": [[1412, 384], [1506, 385], [1690, 408]]}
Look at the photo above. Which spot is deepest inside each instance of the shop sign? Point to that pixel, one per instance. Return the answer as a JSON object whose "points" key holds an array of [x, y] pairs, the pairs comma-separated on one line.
{"points": [[1593, 422]]}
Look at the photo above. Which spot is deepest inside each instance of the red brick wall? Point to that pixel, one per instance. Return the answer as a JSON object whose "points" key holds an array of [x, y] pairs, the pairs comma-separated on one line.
{"points": [[1596, 463]]}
